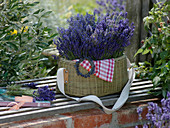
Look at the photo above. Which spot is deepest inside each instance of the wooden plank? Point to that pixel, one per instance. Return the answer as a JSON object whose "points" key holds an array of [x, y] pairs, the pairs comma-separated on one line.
{"points": [[66, 101], [143, 33], [62, 104], [142, 91], [141, 87], [38, 79], [65, 109], [133, 7], [141, 83], [46, 112]]}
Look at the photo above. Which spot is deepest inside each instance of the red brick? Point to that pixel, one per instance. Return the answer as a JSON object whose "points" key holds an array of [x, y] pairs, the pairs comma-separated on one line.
{"points": [[90, 118], [84, 113], [92, 121], [129, 115], [50, 122], [57, 124]]}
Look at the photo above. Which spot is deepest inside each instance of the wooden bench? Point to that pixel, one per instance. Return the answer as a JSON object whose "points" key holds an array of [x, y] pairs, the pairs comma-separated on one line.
{"points": [[138, 92]]}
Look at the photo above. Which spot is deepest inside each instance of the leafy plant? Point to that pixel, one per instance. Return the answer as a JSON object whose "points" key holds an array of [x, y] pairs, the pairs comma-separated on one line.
{"points": [[102, 39], [22, 40], [158, 45], [82, 7]]}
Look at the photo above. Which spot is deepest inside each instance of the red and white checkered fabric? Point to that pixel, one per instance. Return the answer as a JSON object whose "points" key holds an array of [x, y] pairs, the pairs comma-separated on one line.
{"points": [[104, 69]]}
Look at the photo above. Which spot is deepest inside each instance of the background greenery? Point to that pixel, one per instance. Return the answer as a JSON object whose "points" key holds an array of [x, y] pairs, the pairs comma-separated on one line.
{"points": [[23, 36], [158, 45], [27, 27], [63, 9]]}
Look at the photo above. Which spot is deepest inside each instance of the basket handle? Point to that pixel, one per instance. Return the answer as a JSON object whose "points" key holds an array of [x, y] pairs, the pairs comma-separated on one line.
{"points": [[119, 103]]}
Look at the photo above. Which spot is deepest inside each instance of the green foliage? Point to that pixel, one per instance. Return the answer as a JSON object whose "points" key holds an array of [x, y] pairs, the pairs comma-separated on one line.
{"points": [[75, 7], [22, 39], [84, 6], [158, 45]]}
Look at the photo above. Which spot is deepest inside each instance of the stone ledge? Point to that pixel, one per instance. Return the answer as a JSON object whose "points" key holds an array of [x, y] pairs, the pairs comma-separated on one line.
{"points": [[126, 117]]}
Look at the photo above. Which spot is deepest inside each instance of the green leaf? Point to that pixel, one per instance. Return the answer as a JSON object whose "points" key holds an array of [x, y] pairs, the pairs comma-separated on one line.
{"points": [[38, 11], [151, 51], [159, 62], [139, 51], [46, 14], [145, 51], [164, 54], [156, 80], [47, 29], [33, 4], [169, 63], [26, 21], [146, 62], [1, 37], [29, 38], [52, 36], [164, 93], [13, 45]]}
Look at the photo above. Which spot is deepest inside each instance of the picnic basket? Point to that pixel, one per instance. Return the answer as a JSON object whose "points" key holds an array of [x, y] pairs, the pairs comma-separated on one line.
{"points": [[80, 86]]}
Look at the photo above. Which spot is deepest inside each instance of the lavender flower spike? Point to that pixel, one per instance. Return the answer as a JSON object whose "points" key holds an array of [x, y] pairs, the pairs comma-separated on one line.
{"points": [[139, 111]]}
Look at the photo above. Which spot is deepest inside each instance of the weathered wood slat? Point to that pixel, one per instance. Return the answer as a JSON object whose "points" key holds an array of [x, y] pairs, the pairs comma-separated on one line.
{"points": [[141, 87], [62, 104], [35, 80], [64, 109], [141, 83], [67, 101]]}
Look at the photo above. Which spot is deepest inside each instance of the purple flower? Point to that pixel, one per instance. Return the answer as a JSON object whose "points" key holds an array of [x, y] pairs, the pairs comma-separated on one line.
{"points": [[158, 124], [109, 6], [139, 111], [158, 117], [151, 106], [145, 126], [55, 57], [44, 93], [149, 116], [165, 116], [102, 39], [168, 94], [32, 85]]}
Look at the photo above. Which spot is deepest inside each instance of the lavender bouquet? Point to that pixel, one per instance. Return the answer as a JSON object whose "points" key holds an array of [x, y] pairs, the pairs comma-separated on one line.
{"points": [[157, 116], [99, 38]]}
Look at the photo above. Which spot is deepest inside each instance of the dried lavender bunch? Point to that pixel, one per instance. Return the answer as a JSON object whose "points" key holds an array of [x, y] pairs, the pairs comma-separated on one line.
{"points": [[44, 94], [109, 6], [102, 38], [157, 117]]}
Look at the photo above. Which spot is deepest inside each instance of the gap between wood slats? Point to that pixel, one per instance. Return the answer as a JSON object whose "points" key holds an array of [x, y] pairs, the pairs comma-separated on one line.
{"points": [[43, 113], [54, 79], [65, 101], [137, 80], [107, 100], [65, 108], [141, 87], [38, 79], [54, 104], [141, 83]]}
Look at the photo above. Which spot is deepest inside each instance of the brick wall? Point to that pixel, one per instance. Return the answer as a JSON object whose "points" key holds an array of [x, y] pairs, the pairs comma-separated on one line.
{"points": [[126, 117]]}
